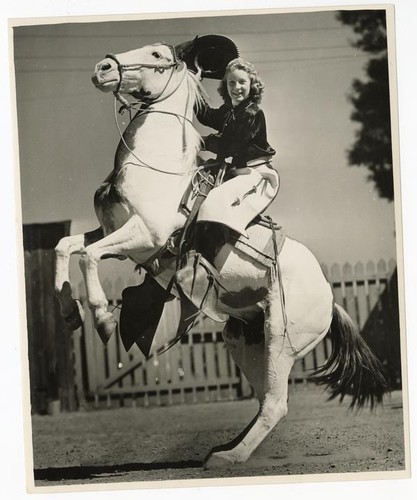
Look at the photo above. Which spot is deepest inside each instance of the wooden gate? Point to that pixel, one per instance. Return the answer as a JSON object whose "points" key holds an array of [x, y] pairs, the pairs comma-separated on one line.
{"points": [[199, 368]]}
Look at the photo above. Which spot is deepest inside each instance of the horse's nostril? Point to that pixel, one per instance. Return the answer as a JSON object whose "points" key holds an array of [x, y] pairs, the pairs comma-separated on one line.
{"points": [[105, 66]]}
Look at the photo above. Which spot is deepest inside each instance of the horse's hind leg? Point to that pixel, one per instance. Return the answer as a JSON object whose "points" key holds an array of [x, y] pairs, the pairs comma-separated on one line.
{"points": [[271, 388], [249, 355], [71, 309]]}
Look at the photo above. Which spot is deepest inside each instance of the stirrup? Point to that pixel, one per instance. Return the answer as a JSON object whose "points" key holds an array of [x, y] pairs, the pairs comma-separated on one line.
{"points": [[199, 281]]}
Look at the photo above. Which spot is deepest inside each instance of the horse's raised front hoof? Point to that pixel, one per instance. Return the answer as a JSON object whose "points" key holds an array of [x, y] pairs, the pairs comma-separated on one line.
{"points": [[106, 326], [76, 317], [220, 459]]}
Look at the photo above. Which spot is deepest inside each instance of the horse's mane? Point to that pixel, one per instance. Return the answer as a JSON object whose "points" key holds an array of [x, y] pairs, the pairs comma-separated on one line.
{"points": [[197, 95]]}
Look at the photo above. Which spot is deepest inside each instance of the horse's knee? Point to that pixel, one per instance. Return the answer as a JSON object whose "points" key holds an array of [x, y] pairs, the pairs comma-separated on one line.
{"points": [[87, 258], [62, 249], [66, 246], [62, 244]]}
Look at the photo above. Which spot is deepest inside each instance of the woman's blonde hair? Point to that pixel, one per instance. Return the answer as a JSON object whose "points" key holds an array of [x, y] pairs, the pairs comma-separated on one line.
{"points": [[257, 86]]}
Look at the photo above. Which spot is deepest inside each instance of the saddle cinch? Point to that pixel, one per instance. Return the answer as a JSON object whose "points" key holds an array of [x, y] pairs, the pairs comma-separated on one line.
{"points": [[191, 252]]}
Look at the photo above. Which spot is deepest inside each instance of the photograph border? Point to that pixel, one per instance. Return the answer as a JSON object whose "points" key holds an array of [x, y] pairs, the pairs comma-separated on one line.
{"points": [[399, 247]]}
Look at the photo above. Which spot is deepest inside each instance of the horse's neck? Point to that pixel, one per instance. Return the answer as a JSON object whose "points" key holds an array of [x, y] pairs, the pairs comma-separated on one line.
{"points": [[161, 133], [150, 171]]}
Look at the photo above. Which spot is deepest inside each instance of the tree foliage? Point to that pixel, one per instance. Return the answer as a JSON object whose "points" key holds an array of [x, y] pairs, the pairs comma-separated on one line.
{"points": [[371, 101]]}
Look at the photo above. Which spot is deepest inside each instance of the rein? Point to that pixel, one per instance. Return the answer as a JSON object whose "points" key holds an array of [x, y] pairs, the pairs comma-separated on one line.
{"points": [[161, 97], [141, 162]]}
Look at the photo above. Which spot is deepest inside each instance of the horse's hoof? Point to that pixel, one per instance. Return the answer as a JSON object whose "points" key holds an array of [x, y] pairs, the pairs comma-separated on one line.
{"points": [[76, 317], [106, 326], [219, 460]]}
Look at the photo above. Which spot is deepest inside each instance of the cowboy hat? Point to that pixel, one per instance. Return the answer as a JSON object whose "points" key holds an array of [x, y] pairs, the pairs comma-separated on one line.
{"points": [[210, 53]]}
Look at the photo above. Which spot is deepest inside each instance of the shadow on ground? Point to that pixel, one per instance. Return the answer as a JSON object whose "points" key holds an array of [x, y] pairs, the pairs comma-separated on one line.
{"points": [[91, 472]]}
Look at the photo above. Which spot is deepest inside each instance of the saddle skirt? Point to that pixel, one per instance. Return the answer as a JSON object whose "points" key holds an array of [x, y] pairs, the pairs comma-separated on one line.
{"points": [[200, 282]]}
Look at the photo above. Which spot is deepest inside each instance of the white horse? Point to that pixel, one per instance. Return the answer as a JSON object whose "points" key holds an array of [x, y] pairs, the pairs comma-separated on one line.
{"points": [[138, 207]]}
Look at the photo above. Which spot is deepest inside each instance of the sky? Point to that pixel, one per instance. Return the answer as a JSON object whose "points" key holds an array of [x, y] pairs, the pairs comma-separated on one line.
{"points": [[68, 137]]}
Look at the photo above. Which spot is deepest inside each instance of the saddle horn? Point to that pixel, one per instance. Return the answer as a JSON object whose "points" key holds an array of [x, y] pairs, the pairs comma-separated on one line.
{"points": [[210, 53]]}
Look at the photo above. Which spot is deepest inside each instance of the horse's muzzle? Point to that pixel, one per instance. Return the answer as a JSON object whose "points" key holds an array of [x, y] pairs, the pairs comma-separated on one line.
{"points": [[106, 75]]}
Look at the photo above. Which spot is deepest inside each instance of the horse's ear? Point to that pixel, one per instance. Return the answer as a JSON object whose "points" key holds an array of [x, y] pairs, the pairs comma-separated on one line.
{"points": [[210, 53]]}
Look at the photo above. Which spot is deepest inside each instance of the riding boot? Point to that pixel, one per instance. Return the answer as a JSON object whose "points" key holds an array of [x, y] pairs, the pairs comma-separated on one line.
{"points": [[209, 238]]}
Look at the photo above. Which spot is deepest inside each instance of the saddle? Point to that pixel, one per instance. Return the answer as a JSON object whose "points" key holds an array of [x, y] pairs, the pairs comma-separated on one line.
{"points": [[200, 282], [142, 305]]}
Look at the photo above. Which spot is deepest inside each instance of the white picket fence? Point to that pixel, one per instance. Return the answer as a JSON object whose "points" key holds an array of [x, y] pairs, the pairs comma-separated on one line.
{"points": [[199, 367]]}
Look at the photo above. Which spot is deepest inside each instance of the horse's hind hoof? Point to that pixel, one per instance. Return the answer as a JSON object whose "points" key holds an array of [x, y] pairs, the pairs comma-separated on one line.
{"points": [[220, 460], [76, 317], [106, 326]]}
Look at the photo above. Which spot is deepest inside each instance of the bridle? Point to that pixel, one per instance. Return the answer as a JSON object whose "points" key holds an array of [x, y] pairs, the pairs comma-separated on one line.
{"points": [[158, 67]]}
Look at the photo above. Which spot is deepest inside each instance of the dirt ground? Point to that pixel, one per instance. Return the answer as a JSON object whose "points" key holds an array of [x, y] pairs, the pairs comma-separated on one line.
{"points": [[170, 443]]}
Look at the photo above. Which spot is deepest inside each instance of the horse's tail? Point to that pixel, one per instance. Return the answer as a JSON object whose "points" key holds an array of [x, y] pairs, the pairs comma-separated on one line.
{"points": [[352, 368]]}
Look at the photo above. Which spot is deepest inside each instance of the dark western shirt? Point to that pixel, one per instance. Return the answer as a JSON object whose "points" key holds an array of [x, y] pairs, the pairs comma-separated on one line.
{"points": [[241, 132]]}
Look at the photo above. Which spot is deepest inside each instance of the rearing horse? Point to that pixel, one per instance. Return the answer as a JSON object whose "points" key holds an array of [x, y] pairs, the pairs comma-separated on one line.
{"points": [[138, 207], [138, 204]]}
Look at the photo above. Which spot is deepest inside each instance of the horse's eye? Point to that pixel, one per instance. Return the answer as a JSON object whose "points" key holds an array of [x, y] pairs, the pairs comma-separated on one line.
{"points": [[157, 55]]}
